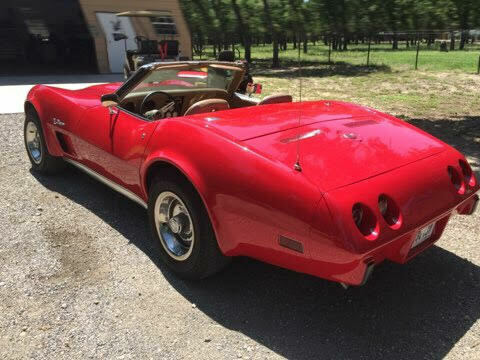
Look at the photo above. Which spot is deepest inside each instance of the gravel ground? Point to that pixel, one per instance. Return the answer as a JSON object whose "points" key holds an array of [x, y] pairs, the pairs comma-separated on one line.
{"points": [[78, 279]]}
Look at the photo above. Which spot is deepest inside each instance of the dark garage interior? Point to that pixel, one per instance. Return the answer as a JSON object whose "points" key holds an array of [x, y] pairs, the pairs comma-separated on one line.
{"points": [[40, 37]]}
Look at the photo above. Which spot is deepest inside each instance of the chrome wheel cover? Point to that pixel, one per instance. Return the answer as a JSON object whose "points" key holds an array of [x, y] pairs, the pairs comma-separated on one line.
{"points": [[174, 226], [33, 142]]}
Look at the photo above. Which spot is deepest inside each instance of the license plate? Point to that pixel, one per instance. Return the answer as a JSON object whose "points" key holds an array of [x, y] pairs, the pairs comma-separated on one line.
{"points": [[423, 234]]}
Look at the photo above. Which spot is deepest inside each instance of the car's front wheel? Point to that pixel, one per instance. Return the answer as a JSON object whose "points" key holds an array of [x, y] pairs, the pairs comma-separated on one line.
{"points": [[36, 147], [182, 229]]}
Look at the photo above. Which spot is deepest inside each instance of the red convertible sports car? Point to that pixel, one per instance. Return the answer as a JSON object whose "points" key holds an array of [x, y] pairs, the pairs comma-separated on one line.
{"points": [[326, 188]]}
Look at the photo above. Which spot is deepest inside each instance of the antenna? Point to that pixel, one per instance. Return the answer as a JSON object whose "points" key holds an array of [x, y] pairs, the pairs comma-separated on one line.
{"points": [[297, 166]]}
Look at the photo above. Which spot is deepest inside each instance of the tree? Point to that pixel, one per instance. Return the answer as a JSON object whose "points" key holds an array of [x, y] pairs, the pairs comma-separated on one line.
{"points": [[243, 30], [273, 33], [464, 11], [206, 18], [338, 22]]}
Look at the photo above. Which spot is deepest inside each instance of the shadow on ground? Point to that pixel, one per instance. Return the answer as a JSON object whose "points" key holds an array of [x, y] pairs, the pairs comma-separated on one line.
{"points": [[462, 132], [290, 68], [419, 310]]}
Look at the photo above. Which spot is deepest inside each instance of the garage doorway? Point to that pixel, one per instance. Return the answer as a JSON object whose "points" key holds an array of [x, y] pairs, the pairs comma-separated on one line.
{"points": [[113, 26], [44, 37]]}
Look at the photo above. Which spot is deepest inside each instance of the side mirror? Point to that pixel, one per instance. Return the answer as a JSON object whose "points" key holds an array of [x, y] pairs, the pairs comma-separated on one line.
{"points": [[109, 100], [254, 89]]}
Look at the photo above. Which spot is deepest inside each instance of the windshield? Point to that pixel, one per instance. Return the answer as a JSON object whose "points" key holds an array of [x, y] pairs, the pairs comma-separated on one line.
{"points": [[211, 76]]}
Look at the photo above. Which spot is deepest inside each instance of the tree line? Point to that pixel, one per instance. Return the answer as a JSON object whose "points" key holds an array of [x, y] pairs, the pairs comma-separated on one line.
{"points": [[337, 23]]}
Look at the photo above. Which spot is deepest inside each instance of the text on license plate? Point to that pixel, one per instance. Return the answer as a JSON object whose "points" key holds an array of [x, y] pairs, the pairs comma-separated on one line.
{"points": [[423, 234]]}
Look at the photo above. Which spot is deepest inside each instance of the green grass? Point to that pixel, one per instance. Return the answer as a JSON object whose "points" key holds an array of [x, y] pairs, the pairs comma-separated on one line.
{"points": [[408, 94], [430, 59], [445, 86]]}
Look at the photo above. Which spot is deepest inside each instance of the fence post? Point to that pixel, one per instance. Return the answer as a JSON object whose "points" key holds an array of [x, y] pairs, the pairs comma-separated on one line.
{"points": [[416, 58], [478, 68], [368, 53], [329, 50]]}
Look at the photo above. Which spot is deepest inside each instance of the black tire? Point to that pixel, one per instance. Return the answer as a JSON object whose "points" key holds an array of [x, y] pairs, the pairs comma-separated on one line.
{"points": [[205, 258], [46, 164]]}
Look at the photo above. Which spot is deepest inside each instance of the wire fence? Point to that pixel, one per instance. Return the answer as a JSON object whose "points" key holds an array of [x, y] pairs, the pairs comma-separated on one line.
{"points": [[420, 55], [415, 53]]}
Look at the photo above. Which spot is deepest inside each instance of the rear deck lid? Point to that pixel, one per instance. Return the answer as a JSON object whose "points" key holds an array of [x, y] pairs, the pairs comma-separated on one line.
{"points": [[254, 121], [341, 152]]}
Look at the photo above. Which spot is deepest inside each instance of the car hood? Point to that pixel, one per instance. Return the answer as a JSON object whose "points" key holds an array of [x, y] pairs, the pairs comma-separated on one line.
{"points": [[337, 144]]}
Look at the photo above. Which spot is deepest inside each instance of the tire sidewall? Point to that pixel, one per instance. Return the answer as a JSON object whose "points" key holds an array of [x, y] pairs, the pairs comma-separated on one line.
{"points": [[29, 117], [190, 267]]}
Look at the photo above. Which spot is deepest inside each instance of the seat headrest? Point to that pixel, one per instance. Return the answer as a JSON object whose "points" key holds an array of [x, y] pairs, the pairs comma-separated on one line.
{"points": [[275, 99], [206, 106]]}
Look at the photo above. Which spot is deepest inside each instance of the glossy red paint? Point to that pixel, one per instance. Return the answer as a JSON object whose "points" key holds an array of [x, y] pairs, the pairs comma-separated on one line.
{"points": [[241, 163]]}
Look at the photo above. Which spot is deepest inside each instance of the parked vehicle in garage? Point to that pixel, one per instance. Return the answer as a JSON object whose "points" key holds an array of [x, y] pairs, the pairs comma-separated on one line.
{"points": [[327, 188], [148, 50]]}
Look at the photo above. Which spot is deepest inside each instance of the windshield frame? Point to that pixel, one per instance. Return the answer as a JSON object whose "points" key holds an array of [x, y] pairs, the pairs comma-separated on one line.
{"points": [[144, 71]]}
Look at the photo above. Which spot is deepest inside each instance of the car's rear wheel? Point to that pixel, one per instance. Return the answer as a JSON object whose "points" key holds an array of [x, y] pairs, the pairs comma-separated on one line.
{"points": [[37, 151], [182, 229]]}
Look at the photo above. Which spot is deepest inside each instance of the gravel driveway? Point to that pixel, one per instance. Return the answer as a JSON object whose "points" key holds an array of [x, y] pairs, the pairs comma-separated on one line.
{"points": [[79, 279]]}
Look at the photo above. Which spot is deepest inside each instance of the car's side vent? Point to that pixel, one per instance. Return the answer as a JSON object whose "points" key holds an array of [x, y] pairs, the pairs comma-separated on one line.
{"points": [[64, 143]]}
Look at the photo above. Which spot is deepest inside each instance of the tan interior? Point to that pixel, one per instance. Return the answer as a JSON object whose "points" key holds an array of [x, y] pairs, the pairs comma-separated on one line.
{"points": [[275, 99], [186, 98], [206, 106]]}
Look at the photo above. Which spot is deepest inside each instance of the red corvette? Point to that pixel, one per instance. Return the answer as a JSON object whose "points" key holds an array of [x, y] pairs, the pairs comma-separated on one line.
{"points": [[326, 188]]}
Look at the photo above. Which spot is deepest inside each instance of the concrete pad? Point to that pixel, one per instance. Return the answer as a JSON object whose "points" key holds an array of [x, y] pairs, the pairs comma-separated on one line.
{"points": [[14, 89]]}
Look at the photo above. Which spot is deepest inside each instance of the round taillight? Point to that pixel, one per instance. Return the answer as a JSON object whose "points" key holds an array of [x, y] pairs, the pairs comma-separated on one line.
{"points": [[390, 211], [467, 173], [383, 204], [456, 180], [357, 213], [366, 221]]}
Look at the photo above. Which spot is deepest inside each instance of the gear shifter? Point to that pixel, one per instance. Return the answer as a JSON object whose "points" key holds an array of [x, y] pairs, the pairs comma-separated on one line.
{"points": [[169, 110]]}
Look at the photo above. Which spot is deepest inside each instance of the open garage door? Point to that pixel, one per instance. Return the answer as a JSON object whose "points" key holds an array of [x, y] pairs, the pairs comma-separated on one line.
{"points": [[113, 25], [44, 37]]}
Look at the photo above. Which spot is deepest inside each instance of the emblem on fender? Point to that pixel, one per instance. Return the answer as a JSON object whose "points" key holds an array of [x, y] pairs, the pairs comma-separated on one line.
{"points": [[58, 122]]}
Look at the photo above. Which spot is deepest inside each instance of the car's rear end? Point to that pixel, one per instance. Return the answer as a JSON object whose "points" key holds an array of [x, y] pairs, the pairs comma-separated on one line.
{"points": [[388, 189], [396, 215]]}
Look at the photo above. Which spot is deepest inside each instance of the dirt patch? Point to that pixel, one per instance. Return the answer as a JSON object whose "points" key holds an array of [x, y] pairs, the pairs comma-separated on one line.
{"points": [[75, 252]]}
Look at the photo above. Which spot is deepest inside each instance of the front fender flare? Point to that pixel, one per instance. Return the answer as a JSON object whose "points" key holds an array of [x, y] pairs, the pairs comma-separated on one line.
{"points": [[33, 100]]}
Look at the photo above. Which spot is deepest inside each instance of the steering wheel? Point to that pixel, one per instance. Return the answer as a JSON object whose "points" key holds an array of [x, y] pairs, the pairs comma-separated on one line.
{"points": [[168, 110]]}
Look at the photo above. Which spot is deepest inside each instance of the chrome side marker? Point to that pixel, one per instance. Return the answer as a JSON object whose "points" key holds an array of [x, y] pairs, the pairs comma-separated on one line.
{"points": [[290, 244]]}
